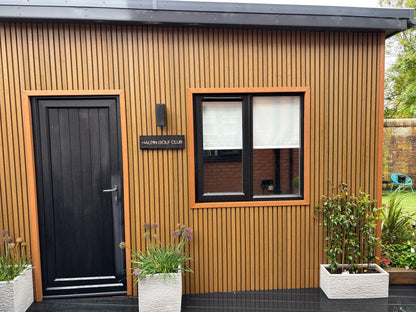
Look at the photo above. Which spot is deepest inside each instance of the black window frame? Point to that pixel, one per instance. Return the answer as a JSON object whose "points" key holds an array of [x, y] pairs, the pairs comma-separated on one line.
{"points": [[247, 151]]}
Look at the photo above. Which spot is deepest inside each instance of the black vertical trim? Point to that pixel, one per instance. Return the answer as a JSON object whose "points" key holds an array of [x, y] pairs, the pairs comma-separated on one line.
{"points": [[302, 146], [199, 152], [291, 170], [277, 161], [248, 146]]}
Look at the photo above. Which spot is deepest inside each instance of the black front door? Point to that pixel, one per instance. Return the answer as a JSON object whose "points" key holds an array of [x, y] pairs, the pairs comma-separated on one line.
{"points": [[80, 198]]}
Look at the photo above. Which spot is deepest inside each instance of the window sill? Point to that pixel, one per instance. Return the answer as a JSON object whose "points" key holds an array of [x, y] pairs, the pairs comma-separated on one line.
{"points": [[300, 202]]}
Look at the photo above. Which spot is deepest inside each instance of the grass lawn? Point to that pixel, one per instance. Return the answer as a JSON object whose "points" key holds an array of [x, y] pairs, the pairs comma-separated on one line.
{"points": [[409, 200]]}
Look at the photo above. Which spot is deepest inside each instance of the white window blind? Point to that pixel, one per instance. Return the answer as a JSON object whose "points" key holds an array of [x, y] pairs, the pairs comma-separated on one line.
{"points": [[222, 125], [276, 122]]}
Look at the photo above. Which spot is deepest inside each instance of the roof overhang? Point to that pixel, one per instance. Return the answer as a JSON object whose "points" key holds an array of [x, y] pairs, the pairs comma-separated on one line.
{"points": [[388, 20]]}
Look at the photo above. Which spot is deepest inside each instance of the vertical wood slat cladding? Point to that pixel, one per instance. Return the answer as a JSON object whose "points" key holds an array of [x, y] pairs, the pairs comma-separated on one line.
{"points": [[233, 248]]}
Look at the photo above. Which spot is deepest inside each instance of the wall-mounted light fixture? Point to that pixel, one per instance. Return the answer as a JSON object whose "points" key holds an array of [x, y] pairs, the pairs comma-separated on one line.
{"points": [[160, 115]]}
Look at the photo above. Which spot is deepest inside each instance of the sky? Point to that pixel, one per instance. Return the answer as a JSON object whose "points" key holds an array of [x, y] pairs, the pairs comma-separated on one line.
{"points": [[350, 3]]}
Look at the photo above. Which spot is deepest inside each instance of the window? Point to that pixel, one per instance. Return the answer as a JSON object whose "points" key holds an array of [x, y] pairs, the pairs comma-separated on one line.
{"points": [[248, 147]]}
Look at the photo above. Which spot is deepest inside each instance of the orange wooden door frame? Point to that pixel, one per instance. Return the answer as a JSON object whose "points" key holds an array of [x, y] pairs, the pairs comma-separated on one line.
{"points": [[31, 177]]}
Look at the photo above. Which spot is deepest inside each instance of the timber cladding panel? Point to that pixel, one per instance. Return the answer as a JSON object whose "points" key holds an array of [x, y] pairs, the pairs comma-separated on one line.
{"points": [[233, 248]]}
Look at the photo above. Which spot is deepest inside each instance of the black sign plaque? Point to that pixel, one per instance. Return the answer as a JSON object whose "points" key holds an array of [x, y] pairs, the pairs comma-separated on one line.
{"points": [[162, 142]]}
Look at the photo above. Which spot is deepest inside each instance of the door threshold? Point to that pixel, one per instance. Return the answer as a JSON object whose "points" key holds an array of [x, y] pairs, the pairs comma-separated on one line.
{"points": [[98, 294]]}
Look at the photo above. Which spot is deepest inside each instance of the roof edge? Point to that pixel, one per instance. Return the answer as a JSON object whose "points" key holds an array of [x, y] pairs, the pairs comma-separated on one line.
{"points": [[389, 20]]}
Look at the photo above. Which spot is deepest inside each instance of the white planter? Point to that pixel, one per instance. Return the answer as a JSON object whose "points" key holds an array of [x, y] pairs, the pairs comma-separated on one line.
{"points": [[17, 295], [158, 293], [355, 286]]}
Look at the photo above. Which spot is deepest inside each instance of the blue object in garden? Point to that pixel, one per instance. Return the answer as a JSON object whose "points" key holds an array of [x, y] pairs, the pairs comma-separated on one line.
{"points": [[402, 181]]}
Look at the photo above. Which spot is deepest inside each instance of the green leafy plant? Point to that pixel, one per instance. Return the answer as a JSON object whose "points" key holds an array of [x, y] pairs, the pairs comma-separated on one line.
{"points": [[350, 223], [295, 182], [400, 82], [14, 260], [157, 258], [396, 221], [400, 255]]}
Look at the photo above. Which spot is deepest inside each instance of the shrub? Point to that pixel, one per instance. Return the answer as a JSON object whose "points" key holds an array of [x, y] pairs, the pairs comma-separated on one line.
{"points": [[396, 221], [400, 255], [350, 224]]}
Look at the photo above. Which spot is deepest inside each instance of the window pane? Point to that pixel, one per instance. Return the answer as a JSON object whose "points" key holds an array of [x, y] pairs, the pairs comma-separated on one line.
{"points": [[276, 171], [222, 145], [276, 121], [223, 171], [222, 125]]}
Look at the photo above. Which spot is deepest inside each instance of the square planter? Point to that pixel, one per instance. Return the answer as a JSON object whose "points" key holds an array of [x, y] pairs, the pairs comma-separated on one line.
{"points": [[17, 295], [160, 293], [354, 286]]}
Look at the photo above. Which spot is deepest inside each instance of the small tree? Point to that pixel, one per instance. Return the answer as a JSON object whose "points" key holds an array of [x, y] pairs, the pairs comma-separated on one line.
{"points": [[350, 223], [400, 83]]}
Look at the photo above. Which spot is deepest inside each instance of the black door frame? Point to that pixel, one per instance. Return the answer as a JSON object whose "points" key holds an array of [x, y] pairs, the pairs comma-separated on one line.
{"points": [[31, 176]]}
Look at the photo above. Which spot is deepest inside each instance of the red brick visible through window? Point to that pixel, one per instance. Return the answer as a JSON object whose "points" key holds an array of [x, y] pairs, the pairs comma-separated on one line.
{"points": [[228, 176]]}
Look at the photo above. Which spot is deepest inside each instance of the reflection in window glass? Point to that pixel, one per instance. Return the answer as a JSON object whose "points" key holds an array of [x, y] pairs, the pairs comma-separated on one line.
{"points": [[222, 147], [276, 171], [276, 145]]}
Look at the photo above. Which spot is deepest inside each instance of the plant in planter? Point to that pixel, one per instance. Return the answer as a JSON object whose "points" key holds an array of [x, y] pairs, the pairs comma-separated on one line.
{"points": [[16, 284], [400, 261], [350, 223], [398, 254], [158, 269], [397, 226]]}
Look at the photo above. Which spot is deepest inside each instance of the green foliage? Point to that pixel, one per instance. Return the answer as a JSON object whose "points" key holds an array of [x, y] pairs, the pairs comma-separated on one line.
{"points": [[400, 255], [160, 259], [400, 88], [14, 260], [295, 182], [350, 223], [396, 221]]}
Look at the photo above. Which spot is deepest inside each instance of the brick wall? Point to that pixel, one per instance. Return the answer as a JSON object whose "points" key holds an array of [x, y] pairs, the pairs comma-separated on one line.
{"points": [[264, 167], [227, 176], [399, 148], [223, 176], [285, 170]]}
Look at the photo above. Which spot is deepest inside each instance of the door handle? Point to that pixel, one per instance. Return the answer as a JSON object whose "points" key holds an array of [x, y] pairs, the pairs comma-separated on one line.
{"points": [[114, 189]]}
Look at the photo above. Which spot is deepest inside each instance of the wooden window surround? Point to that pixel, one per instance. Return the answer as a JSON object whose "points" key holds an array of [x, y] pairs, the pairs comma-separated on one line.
{"points": [[255, 201]]}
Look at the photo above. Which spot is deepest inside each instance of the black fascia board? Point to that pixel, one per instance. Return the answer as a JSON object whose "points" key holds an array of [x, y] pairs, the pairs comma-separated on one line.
{"points": [[389, 20]]}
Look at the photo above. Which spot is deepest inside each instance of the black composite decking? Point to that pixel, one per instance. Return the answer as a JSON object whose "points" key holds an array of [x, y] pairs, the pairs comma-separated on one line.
{"points": [[402, 298]]}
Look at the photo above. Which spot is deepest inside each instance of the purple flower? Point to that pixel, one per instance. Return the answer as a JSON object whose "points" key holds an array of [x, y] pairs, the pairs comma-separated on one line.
{"points": [[188, 236], [175, 234], [4, 232], [187, 230], [137, 272], [146, 225], [406, 267], [412, 250], [155, 226]]}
